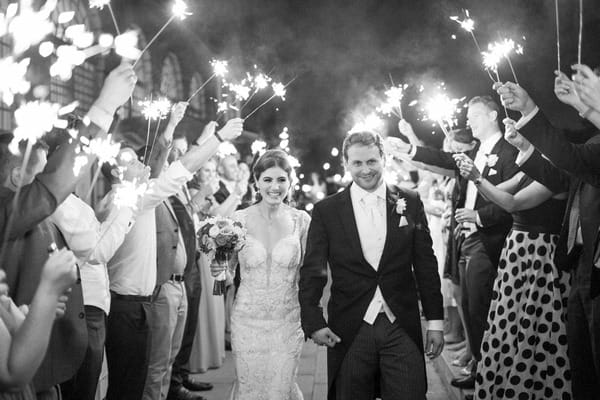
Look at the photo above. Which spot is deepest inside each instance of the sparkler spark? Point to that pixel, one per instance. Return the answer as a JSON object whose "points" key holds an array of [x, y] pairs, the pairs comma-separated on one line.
{"points": [[13, 79], [127, 194], [258, 146], [261, 81], [155, 109], [467, 24], [241, 91], [371, 123], [34, 119], [220, 67], [442, 109], [126, 45], [180, 9], [29, 27], [279, 90]]}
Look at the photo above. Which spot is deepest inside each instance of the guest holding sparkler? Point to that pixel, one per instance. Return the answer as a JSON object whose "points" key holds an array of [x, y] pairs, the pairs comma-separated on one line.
{"points": [[524, 349], [132, 270], [486, 224], [577, 248], [31, 233]]}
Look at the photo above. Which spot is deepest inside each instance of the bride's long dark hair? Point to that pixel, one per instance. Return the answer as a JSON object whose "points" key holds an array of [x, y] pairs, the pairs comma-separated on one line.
{"points": [[270, 159]]}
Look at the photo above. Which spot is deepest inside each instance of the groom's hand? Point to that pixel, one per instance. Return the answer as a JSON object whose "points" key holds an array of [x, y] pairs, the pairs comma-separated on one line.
{"points": [[434, 343], [325, 337]]}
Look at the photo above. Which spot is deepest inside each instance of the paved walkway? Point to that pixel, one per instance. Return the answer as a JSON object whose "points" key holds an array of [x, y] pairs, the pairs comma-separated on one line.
{"points": [[312, 377]]}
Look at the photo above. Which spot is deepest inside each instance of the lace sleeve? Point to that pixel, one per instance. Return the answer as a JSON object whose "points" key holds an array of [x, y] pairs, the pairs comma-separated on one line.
{"points": [[303, 230]]}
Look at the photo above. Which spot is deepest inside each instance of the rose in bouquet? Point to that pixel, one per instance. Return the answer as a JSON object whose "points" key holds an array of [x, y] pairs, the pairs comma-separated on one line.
{"points": [[219, 238]]}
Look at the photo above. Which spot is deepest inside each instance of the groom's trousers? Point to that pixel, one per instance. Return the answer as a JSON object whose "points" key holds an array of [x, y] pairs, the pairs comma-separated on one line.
{"points": [[385, 351]]}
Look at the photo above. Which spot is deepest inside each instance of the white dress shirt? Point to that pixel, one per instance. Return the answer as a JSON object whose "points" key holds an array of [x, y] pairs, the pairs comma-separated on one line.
{"points": [[480, 162], [132, 270], [371, 222], [93, 243]]}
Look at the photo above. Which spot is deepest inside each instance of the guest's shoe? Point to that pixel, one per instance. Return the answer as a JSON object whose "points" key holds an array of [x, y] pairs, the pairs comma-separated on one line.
{"points": [[464, 383], [195, 385], [184, 394]]}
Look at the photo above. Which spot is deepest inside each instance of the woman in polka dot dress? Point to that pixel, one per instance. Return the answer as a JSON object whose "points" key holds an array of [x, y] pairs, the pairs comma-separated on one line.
{"points": [[524, 349]]}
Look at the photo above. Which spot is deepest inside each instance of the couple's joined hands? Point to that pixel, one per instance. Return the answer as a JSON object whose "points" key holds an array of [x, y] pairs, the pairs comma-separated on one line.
{"points": [[434, 341]]}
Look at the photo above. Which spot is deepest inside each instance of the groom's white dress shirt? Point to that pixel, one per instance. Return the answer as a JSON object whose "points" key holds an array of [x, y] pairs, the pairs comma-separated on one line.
{"points": [[371, 222]]}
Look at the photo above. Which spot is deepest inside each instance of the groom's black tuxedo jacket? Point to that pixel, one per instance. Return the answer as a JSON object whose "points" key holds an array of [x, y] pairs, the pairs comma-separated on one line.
{"points": [[407, 267], [496, 222]]}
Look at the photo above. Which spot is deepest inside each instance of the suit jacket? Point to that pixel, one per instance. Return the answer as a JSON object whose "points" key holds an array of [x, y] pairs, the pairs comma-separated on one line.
{"points": [[407, 272], [496, 222], [167, 241], [26, 253], [188, 231], [582, 163]]}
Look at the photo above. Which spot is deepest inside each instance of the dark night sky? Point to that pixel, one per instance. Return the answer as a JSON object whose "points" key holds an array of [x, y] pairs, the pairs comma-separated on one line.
{"points": [[342, 50]]}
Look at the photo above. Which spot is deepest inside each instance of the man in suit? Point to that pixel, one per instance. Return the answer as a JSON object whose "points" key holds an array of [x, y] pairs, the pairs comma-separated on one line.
{"points": [[577, 248], [376, 242], [485, 224], [30, 233], [182, 384]]}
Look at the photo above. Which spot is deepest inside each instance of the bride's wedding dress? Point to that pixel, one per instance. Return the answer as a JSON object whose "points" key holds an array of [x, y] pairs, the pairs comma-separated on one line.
{"points": [[266, 336]]}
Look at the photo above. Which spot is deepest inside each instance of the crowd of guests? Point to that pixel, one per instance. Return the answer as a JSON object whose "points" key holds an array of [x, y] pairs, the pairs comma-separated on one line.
{"points": [[118, 286], [522, 254]]}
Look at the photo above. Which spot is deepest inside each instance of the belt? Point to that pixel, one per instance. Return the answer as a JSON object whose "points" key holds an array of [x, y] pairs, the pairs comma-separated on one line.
{"points": [[130, 297], [176, 278]]}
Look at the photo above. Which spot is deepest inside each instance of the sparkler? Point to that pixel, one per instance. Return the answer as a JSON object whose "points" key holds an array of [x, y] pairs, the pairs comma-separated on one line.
{"points": [[258, 82], [179, 11], [393, 102], [557, 34], [220, 69], [154, 110], [580, 31], [503, 48], [279, 90], [127, 194], [468, 24]]}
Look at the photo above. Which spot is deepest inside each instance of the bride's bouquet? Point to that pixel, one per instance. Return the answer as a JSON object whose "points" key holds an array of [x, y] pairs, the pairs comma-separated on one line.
{"points": [[219, 238]]}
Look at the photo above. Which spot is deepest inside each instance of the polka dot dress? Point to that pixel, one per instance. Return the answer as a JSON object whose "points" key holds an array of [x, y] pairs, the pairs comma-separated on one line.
{"points": [[524, 349]]}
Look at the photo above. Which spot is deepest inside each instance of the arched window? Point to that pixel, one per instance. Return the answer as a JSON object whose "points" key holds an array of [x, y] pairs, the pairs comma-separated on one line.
{"points": [[6, 113], [144, 85], [83, 86], [170, 79], [198, 103]]}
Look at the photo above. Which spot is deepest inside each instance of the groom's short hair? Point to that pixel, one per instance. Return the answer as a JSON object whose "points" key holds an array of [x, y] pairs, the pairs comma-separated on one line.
{"points": [[363, 138]]}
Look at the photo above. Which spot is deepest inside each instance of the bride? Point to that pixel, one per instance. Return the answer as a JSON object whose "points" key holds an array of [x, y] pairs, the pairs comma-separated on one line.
{"points": [[266, 336]]}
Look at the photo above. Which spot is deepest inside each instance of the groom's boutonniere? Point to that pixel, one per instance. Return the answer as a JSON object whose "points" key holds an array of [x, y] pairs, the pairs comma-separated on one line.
{"points": [[400, 209], [491, 160]]}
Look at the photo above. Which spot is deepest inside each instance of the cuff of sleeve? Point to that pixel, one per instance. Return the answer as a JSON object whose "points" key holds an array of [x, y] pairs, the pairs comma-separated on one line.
{"points": [[522, 157], [412, 152], [100, 117], [435, 325], [177, 169], [477, 219], [526, 118]]}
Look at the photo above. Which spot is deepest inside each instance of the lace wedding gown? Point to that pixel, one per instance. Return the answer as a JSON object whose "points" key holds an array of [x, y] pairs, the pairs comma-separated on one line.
{"points": [[266, 336]]}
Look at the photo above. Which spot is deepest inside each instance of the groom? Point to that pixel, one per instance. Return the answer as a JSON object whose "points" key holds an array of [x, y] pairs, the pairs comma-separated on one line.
{"points": [[377, 244]]}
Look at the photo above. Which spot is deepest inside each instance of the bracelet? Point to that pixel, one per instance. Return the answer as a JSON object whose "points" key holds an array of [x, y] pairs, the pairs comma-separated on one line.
{"points": [[477, 181], [219, 138], [586, 113]]}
